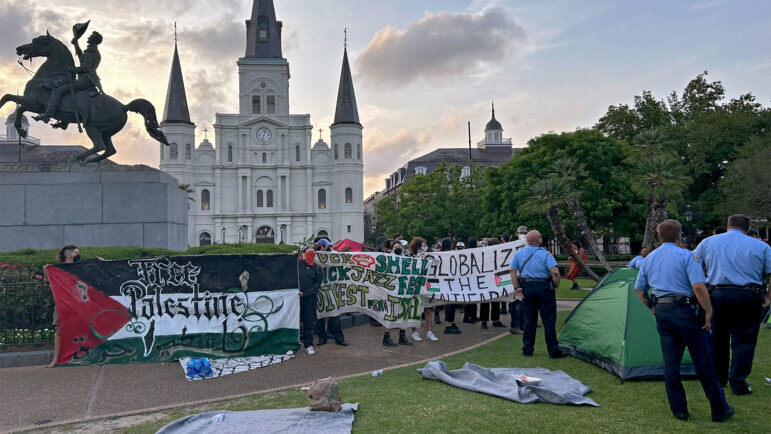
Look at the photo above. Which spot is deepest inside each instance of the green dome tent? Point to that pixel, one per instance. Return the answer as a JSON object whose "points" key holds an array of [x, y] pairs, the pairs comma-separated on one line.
{"points": [[612, 329]]}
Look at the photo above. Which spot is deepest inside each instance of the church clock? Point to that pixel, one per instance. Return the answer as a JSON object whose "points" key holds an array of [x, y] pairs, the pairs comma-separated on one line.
{"points": [[264, 135]]}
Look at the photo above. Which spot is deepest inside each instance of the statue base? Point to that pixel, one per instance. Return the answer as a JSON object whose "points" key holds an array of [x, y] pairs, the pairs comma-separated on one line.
{"points": [[48, 205]]}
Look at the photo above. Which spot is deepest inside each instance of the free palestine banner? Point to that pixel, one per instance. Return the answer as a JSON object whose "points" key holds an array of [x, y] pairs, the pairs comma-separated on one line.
{"points": [[383, 286], [163, 309], [470, 276]]}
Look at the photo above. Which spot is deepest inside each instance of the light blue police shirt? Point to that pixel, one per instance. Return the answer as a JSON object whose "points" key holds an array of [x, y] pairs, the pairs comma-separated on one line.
{"points": [[669, 270], [733, 258], [537, 267], [636, 262]]}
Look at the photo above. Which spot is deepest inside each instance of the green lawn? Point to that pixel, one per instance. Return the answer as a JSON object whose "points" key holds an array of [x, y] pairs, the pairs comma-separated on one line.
{"points": [[565, 292], [400, 401]]}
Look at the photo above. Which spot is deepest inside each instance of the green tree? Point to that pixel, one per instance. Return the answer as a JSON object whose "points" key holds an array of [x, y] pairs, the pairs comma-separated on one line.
{"points": [[547, 197], [746, 187]]}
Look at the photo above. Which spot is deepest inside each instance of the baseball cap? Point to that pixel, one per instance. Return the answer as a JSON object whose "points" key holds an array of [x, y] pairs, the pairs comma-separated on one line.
{"points": [[522, 229], [403, 242], [324, 242], [460, 244]]}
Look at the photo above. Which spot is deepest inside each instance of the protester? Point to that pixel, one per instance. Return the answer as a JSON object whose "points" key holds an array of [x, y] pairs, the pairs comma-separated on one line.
{"points": [[575, 267], [449, 309], [418, 249], [515, 307], [505, 238], [310, 282], [736, 265], [328, 327], [387, 341], [636, 263], [676, 277], [470, 309], [753, 233], [718, 230], [495, 306], [68, 254], [535, 277]]}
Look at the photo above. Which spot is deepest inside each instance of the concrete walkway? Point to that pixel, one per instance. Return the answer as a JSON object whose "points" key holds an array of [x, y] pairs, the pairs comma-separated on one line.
{"points": [[71, 394]]}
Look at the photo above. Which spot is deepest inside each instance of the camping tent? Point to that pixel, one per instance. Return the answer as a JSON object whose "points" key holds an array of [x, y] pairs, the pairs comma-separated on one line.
{"points": [[612, 329], [347, 245]]}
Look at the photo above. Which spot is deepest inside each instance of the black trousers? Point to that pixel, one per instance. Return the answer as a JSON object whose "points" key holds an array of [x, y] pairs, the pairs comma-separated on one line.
{"points": [[308, 317], [539, 298], [449, 313], [678, 329], [329, 328], [484, 311], [515, 310], [470, 312], [735, 317]]}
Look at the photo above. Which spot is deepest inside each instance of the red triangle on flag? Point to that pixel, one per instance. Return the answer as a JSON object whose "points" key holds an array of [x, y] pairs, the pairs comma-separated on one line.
{"points": [[87, 317]]}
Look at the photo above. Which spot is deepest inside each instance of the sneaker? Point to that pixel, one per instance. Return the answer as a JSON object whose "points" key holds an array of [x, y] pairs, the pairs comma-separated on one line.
{"points": [[451, 330], [682, 416], [744, 391], [498, 324], [484, 325], [727, 415], [416, 337], [310, 351], [431, 336], [558, 355], [469, 320], [437, 320], [387, 342], [322, 341], [403, 340], [515, 331]]}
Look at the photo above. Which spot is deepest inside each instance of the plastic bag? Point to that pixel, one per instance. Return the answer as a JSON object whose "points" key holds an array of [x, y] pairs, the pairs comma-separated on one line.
{"points": [[199, 367], [325, 395]]}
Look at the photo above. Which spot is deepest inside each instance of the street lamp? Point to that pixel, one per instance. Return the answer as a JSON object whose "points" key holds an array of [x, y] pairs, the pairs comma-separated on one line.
{"points": [[688, 214], [240, 231], [223, 235], [283, 228]]}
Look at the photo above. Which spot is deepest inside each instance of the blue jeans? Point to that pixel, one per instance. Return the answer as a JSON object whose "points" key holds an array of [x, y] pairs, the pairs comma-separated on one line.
{"points": [[679, 328]]}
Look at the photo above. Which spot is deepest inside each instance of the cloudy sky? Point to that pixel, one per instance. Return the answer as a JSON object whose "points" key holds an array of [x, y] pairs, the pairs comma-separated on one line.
{"points": [[422, 69]]}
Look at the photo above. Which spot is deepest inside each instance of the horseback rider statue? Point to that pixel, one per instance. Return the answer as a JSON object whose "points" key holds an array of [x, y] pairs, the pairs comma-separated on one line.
{"points": [[87, 77], [55, 93]]}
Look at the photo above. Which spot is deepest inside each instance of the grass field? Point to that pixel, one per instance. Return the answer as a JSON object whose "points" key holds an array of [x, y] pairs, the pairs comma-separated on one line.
{"points": [[400, 401], [564, 290]]}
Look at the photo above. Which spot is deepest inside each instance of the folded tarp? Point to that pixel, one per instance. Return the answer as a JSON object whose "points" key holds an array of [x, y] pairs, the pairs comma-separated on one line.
{"points": [[555, 387], [292, 420]]}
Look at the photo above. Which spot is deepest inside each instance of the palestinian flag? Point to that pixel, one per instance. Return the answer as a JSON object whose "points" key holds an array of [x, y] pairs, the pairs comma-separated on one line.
{"points": [[163, 309], [432, 285], [502, 278]]}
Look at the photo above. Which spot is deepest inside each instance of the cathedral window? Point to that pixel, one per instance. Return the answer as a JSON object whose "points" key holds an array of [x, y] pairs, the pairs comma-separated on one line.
{"points": [[465, 172], [188, 151], [205, 200], [349, 229], [335, 151], [347, 151], [259, 199], [349, 195], [262, 28], [420, 170], [230, 154], [297, 153], [323, 234], [256, 109], [204, 239], [358, 151], [269, 199], [271, 102], [322, 199], [264, 157], [174, 152]]}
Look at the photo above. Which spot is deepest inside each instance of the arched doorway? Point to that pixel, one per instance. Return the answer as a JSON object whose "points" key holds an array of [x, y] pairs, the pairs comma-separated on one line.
{"points": [[265, 235], [204, 239]]}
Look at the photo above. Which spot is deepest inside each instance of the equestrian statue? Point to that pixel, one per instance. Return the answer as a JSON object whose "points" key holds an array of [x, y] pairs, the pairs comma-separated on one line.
{"points": [[59, 90]]}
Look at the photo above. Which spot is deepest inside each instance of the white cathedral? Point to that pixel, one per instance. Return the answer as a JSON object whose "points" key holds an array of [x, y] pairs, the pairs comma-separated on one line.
{"points": [[262, 181]]}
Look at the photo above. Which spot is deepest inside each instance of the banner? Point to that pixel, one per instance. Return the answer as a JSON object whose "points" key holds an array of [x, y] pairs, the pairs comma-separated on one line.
{"points": [[383, 286], [163, 309], [470, 276]]}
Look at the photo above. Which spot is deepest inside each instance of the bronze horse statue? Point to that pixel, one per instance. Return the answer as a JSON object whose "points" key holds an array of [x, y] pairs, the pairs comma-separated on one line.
{"points": [[102, 115]]}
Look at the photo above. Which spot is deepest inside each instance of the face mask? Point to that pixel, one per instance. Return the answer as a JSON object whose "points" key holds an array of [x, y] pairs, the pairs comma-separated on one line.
{"points": [[76, 258], [424, 249], [398, 252], [522, 236]]}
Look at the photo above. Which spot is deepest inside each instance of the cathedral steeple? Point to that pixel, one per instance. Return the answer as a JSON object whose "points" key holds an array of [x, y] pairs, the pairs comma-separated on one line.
{"points": [[176, 110], [346, 111], [263, 32]]}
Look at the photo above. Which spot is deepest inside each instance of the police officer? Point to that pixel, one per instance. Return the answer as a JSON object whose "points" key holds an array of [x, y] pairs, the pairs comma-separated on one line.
{"points": [[533, 272], [736, 264], [675, 277]]}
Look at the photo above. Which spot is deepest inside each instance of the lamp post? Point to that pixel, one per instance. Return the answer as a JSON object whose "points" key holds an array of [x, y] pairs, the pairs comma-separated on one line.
{"points": [[223, 235], [688, 214], [283, 228], [240, 232]]}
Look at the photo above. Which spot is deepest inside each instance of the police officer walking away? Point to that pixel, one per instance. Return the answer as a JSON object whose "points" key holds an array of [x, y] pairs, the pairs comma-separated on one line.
{"points": [[675, 277], [533, 272], [736, 265]]}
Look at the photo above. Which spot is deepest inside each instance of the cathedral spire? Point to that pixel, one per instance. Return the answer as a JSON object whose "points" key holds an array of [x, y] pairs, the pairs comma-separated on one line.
{"points": [[346, 111], [493, 125], [263, 32], [176, 110]]}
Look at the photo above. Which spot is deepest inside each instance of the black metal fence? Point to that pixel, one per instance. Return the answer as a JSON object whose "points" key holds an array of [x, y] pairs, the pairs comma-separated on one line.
{"points": [[26, 313]]}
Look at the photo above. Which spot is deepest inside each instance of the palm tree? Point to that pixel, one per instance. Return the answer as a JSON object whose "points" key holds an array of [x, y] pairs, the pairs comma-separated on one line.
{"points": [[186, 188], [547, 196], [660, 176], [569, 170]]}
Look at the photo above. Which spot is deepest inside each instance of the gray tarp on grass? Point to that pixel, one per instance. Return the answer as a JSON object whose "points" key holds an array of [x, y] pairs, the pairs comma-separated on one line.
{"points": [[555, 387], [292, 420]]}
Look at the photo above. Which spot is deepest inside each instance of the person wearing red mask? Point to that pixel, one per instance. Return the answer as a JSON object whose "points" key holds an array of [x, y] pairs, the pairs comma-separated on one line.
{"points": [[310, 282]]}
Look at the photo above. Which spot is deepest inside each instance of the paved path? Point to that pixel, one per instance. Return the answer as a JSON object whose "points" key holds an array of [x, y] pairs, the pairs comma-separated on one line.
{"points": [[71, 394]]}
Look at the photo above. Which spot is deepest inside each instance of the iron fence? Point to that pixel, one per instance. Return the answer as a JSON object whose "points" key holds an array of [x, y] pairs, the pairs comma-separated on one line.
{"points": [[26, 313]]}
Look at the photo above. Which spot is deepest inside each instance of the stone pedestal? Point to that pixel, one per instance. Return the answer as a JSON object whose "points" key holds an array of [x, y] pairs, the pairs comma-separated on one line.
{"points": [[48, 205]]}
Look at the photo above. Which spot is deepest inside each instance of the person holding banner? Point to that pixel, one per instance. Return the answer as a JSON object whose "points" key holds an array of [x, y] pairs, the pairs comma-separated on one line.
{"points": [[387, 341], [492, 310], [515, 307], [418, 248], [329, 327], [535, 277], [449, 309], [470, 310], [310, 282]]}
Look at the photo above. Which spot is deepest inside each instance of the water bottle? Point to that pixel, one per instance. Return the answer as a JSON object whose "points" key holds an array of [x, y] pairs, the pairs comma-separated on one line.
{"points": [[377, 373], [219, 417]]}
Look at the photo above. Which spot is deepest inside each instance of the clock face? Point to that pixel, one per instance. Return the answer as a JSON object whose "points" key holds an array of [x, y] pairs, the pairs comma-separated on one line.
{"points": [[264, 135]]}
